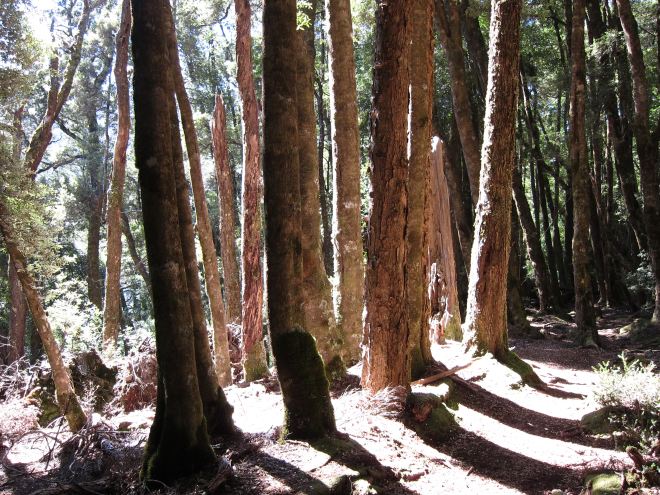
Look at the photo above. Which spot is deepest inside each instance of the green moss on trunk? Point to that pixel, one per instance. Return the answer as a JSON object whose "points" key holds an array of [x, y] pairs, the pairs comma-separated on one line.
{"points": [[514, 363], [254, 362], [307, 407]]}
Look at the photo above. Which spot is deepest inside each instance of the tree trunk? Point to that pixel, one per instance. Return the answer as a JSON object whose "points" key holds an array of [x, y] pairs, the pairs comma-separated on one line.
{"points": [[449, 28], [254, 357], [178, 443], [386, 332], [308, 410], [66, 397], [203, 225], [647, 144], [226, 196], [419, 184], [585, 319], [346, 218], [534, 249], [317, 305], [486, 315], [132, 249], [112, 303], [516, 316], [17, 315], [443, 285]]}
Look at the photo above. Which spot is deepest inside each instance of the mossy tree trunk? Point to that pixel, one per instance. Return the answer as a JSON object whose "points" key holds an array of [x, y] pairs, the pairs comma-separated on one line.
{"points": [[178, 443], [317, 306], [346, 230], [112, 301], [386, 360], [443, 288], [65, 395], [419, 184], [203, 227], [254, 356], [485, 328], [647, 143], [226, 196], [585, 318], [308, 410]]}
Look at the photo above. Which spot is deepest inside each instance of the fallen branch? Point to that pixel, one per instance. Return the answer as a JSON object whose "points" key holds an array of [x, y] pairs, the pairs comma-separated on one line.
{"points": [[441, 375]]}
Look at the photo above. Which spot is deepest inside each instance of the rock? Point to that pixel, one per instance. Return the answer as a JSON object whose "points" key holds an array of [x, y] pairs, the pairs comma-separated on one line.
{"points": [[429, 417], [642, 331], [362, 487], [598, 421], [604, 484], [341, 485]]}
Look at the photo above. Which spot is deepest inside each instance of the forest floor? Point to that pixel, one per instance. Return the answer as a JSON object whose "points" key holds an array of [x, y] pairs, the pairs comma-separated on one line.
{"points": [[510, 438]]}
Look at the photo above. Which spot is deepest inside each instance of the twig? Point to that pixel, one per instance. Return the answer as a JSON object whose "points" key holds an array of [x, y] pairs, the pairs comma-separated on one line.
{"points": [[441, 375]]}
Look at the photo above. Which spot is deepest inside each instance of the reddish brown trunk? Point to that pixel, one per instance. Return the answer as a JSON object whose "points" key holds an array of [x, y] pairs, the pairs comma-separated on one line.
{"points": [[17, 316], [386, 360], [226, 202], [112, 303]]}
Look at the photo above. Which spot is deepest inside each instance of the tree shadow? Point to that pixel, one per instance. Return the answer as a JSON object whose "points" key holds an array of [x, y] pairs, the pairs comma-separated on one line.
{"points": [[533, 422], [505, 466]]}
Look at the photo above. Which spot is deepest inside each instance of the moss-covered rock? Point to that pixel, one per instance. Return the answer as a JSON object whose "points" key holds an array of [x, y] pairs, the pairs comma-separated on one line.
{"points": [[603, 484], [598, 421], [642, 331], [308, 412], [428, 416]]}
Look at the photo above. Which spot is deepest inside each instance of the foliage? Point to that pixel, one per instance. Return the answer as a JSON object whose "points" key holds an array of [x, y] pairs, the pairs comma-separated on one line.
{"points": [[632, 389]]}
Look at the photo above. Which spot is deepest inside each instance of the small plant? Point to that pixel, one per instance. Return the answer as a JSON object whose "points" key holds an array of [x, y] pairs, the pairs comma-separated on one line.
{"points": [[632, 390]]}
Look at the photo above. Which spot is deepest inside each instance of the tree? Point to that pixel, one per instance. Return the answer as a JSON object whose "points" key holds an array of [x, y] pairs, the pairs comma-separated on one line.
{"points": [[254, 355], [318, 306], [178, 442], [485, 328], [419, 183], [647, 143], [211, 273], [300, 370], [585, 318], [346, 230], [386, 334], [225, 181], [111, 307]]}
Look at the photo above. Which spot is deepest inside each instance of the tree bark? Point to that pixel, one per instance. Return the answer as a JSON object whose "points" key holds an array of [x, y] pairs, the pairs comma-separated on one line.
{"points": [[419, 184], [254, 357], [443, 285], [485, 328], [300, 370], [449, 29], [346, 218], [17, 315], [64, 392], [647, 144], [225, 181], [132, 249], [317, 305], [112, 303], [386, 332], [203, 225], [178, 443], [585, 319]]}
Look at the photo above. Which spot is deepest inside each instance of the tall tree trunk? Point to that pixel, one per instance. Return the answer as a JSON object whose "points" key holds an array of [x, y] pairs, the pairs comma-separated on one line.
{"points": [[254, 356], [647, 144], [300, 370], [533, 243], [419, 183], [112, 303], [443, 285], [226, 196], [516, 316], [203, 225], [346, 218], [486, 315], [386, 332], [585, 319], [448, 18], [318, 305], [178, 442], [17, 315], [66, 397], [132, 249]]}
